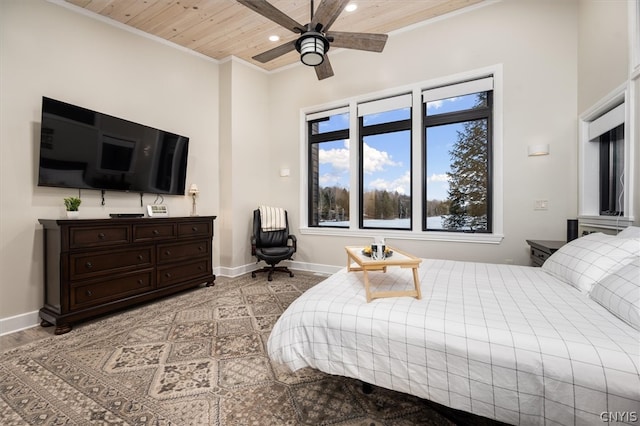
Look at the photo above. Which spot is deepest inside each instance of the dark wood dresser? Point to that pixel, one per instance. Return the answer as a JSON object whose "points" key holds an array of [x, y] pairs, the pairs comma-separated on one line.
{"points": [[97, 266]]}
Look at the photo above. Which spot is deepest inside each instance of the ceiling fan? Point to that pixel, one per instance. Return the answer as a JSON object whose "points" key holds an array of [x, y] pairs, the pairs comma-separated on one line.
{"points": [[315, 37]]}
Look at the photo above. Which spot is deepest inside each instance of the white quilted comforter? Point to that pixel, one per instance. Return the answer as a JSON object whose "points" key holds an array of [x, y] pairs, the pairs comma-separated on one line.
{"points": [[507, 342]]}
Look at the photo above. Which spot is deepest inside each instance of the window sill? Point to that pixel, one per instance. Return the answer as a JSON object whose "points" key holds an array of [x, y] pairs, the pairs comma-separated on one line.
{"points": [[405, 235], [606, 222]]}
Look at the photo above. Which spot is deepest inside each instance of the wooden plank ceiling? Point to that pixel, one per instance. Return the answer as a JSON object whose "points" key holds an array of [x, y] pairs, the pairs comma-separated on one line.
{"points": [[221, 28]]}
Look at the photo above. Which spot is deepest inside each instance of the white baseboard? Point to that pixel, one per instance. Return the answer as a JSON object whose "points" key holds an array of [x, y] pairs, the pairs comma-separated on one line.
{"points": [[19, 322], [31, 319]]}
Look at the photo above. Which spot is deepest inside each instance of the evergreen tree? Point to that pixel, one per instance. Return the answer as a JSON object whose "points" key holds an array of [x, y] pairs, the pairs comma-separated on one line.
{"points": [[468, 176]]}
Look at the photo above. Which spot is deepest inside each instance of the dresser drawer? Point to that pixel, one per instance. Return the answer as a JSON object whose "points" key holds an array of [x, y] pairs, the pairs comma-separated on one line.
{"points": [[168, 275], [86, 265], [195, 229], [111, 289], [538, 256], [81, 237], [181, 251], [152, 232]]}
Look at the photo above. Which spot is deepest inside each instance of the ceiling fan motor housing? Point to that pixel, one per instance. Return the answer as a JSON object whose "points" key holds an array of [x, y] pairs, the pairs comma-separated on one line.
{"points": [[312, 47]]}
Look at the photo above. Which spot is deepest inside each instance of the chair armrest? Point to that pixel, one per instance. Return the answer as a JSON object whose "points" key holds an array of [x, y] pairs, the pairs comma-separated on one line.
{"points": [[253, 245], [294, 241]]}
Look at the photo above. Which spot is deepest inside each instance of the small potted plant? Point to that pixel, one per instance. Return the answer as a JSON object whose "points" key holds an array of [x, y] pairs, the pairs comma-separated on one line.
{"points": [[72, 204]]}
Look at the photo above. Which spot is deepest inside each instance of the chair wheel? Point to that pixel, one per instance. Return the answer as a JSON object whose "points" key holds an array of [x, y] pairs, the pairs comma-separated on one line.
{"points": [[253, 275], [290, 274]]}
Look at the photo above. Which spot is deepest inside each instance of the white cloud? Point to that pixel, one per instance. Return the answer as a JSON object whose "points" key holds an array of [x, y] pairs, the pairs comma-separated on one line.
{"points": [[401, 185], [431, 105], [338, 158], [330, 179], [442, 177], [376, 161]]}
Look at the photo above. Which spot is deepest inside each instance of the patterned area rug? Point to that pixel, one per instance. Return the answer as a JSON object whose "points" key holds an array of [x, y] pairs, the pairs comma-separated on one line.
{"points": [[197, 358]]}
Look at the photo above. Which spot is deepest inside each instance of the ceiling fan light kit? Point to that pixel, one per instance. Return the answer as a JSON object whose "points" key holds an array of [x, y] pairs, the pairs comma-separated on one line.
{"points": [[312, 47], [315, 38]]}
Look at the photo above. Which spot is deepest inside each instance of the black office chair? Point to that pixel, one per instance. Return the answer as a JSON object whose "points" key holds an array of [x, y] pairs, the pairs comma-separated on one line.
{"points": [[272, 246]]}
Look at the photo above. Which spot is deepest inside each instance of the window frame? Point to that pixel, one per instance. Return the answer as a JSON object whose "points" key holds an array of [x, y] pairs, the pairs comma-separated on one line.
{"points": [[457, 117], [317, 139], [589, 159], [380, 129], [415, 233]]}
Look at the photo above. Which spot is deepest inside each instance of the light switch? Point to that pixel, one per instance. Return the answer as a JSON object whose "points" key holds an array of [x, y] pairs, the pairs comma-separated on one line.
{"points": [[541, 205]]}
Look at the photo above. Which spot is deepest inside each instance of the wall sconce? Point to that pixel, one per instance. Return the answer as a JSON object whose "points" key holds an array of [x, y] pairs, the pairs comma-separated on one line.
{"points": [[536, 150], [193, 191]]}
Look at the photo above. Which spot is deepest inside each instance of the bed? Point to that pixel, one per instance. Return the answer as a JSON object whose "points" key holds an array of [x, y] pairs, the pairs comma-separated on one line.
{"points": [[521, 345]]}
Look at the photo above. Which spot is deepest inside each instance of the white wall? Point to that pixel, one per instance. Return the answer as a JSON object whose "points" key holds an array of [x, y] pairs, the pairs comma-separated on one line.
{"points": [[47, 50], [536, 41], [603, 49], [245, 159]]}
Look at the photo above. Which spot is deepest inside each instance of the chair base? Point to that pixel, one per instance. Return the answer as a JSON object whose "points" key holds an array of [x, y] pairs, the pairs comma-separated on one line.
{"points": [[270, 270]]}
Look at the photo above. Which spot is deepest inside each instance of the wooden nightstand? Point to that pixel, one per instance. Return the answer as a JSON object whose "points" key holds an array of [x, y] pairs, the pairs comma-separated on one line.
{"points": [[542, 249]]}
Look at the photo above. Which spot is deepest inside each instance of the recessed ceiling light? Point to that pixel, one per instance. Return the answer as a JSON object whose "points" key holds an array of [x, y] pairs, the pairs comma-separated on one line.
{"points": [[351, 7], [274, 38]]}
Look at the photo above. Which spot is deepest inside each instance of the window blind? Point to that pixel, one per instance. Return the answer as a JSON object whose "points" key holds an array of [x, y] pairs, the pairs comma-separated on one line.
{"points": [[460, 89], [607, 121]]}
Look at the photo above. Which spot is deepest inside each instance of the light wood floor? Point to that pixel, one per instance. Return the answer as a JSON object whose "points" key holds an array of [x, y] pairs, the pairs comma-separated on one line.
{"points": [[19, 338]]}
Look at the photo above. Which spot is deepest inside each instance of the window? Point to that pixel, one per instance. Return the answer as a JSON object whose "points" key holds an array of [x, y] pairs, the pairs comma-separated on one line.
{"points": [[385, 163], [329, 168], [612, 172], [417, 163], [607, 133], [457, 157]]}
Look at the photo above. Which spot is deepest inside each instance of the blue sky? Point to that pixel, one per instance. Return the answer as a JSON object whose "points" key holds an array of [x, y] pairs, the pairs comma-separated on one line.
{"points": [[387, 157]]}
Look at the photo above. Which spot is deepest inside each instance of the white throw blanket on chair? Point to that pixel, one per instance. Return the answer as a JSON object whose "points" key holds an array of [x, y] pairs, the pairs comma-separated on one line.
{"points": [[272, 218]]}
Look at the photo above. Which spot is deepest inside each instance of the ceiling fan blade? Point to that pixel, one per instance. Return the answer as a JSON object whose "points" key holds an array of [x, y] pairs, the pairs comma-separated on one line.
{"points": [[327, 13], [267, 10], [361, 41], [324, 70], [275, 52]]}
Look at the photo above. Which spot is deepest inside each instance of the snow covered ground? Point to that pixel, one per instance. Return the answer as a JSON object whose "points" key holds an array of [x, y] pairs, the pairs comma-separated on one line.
{"points": [[433, 222]]}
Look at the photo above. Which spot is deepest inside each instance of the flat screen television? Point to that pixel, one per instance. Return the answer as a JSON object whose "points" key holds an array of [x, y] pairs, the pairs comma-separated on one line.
{"points": [[81, 148]]}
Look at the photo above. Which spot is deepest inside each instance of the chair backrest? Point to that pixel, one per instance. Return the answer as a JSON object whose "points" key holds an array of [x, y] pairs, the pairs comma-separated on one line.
{"points": [[269, 238]]}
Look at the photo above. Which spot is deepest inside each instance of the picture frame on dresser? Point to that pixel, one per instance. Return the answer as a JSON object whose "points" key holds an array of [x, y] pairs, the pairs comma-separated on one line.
{"points": [[95, 267]]}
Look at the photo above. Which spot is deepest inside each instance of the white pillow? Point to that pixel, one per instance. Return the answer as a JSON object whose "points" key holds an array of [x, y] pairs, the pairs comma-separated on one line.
{"points": [[620, 293], [588, 259], [630, 232]]}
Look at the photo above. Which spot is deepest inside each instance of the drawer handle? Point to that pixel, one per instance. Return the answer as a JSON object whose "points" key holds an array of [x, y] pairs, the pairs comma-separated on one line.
{"points": [[101, 236], [140, 257], [88, 265], [167, 275], [89, 293], [200, 248], [156, 232], [167, 253], [140, 281], [201, 268], [194, 229]]}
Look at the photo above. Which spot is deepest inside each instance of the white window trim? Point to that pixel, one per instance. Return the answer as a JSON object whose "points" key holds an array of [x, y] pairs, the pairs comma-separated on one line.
{"points": [[416, 233], [588, 160], [634, 37]]}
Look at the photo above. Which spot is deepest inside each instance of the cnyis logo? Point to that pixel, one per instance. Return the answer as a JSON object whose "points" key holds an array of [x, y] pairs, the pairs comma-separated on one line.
{"points": [[619, 416]]}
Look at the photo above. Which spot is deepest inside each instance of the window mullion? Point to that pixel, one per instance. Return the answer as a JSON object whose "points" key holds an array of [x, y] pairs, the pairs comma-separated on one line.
{"points": [[354, 159], [418, 178]]}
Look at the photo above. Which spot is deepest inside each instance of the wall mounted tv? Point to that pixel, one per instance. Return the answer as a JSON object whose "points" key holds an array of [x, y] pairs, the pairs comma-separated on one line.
{"points": [[81, 148]]}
